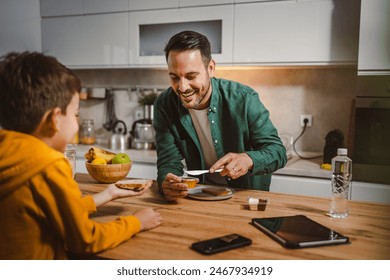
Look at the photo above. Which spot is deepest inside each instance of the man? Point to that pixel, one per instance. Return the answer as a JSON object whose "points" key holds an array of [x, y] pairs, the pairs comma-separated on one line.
{"points": [[211, 123]]}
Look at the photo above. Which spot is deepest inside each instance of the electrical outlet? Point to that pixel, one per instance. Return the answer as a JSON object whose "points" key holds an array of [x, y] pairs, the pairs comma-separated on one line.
{"points": [[309, 118]]}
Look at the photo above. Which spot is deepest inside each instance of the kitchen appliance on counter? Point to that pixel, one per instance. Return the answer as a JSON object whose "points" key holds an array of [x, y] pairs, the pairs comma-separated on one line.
{"points": [[333, 141], [118, 140], [370, 131], [142, 135]]}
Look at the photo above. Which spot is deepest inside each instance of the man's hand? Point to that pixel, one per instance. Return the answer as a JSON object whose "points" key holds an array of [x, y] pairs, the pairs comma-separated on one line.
{"points": [[173, 188], [234, 165]]}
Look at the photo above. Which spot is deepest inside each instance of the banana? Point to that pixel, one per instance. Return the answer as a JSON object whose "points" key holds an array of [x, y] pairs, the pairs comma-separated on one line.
{"points": [[95, 152], [88, 156]]}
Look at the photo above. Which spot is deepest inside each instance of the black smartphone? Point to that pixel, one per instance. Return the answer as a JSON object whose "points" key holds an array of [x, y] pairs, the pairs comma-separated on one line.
{"points": [[220, 244]]}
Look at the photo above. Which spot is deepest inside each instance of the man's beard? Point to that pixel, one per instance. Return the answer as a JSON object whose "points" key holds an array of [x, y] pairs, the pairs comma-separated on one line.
{"points": [[198, 98]]}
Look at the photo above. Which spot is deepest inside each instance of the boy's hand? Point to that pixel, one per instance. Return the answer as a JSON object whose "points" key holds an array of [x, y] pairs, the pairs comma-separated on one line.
{"points": [[149, 218], [116, 192], [113, 192]]}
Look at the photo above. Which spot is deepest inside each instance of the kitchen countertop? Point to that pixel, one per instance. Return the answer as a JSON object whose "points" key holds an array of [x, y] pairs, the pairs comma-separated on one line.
{"points": [[305, 167], [295, 165]]}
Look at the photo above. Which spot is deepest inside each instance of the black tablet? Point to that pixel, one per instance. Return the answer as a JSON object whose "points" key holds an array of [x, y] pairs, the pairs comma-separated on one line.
{"points": [[298, 232]]}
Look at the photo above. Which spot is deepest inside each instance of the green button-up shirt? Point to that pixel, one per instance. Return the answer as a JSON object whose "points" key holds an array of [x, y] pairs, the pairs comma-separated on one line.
{"points": [[239, 123]]}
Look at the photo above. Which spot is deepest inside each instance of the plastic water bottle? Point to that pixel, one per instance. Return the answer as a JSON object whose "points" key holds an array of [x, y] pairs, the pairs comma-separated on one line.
{"points": [[341, 180]]}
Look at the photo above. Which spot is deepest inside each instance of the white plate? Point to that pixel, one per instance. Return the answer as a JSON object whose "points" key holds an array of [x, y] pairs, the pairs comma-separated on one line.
{"points": [[196, 193]]}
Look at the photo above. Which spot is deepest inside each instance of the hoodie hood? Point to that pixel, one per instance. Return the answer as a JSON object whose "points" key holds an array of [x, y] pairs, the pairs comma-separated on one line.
{"points": [[21, 157]]}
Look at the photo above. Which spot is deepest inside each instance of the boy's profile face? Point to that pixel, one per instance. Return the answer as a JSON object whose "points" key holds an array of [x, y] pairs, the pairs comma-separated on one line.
{"points": [[67, 125]]}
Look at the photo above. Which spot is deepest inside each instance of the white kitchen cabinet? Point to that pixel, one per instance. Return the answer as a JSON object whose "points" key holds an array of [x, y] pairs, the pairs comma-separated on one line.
{"points": [[360, 191], [296, 32], [20, 29], [374, 40], [195, 3], [151, 30], [90, 40], [363, 191], [143, 171], [51, 8], [301, 185], [104, 6], [247, 1], [137, 5]]}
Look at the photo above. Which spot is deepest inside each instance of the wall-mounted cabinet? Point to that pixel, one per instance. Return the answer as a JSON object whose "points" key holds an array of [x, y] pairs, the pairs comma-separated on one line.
{"points": [[194, 3], [248, 1], [20, 29], [51, 8], [126, 33], [149, 31], [136, 5], [85, 41], [104, 6], [374, 40], [296, 32]]}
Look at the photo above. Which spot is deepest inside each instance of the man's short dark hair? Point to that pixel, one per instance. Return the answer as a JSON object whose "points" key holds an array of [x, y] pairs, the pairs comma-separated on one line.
{"points": [[190, 41]]}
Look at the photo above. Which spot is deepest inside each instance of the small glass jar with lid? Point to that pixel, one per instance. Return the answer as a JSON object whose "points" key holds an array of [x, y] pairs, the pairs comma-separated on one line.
{"points": [[87, 132]]}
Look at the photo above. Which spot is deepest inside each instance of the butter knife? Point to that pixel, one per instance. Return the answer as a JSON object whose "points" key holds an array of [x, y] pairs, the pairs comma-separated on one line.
{"points": [[200, 172]]}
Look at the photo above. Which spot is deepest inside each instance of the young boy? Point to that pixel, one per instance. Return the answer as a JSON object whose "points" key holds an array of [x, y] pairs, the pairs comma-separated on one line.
{"points": [[42, 212]]}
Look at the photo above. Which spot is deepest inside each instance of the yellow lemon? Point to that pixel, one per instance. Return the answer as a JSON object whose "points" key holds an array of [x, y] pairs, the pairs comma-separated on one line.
{"points": [[326, 166], [99, 160]]}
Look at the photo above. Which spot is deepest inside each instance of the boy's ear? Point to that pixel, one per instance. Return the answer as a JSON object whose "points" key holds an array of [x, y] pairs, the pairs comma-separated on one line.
{"points": [[49, 123], [53, 119]]}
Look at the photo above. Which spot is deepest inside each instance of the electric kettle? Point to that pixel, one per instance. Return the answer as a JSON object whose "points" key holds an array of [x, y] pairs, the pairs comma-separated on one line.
{"points": [[142, 135]]}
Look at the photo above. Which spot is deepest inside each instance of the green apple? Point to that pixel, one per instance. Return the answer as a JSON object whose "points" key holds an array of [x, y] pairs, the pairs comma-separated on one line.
{"points": [[120, 158]]}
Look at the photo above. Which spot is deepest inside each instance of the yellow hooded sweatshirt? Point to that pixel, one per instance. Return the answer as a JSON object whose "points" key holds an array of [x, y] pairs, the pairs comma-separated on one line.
{"points": [[42, 211]]}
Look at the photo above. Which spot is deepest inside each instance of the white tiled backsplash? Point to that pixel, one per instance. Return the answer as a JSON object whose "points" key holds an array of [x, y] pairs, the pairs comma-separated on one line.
{"points": [[325, 93]]}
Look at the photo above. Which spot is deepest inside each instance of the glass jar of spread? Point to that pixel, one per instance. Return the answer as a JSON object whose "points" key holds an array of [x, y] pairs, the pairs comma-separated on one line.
{"points": [[87, 132]]}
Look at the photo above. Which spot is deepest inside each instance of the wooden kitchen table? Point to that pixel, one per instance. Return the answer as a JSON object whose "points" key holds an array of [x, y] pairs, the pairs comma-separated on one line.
{"points": [[189, 220]]}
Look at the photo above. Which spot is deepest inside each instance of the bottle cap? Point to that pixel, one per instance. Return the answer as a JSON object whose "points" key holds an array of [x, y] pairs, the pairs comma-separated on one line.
{"points": [[342, 151]]}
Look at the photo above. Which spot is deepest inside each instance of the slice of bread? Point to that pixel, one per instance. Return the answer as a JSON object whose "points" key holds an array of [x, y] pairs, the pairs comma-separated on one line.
{"points": [[216, 191], [134, 184]]}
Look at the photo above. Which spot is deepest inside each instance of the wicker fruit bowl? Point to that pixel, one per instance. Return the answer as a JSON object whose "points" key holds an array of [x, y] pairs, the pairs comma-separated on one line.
{"points": [[108, 173]]}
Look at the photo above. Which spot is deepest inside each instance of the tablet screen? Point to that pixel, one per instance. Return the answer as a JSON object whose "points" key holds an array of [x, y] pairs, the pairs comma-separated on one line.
{"points": [[298, 231]]}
